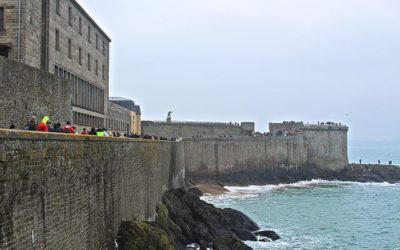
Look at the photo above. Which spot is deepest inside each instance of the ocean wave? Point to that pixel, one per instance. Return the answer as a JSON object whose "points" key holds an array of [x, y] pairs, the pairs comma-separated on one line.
{"points": [[252, 191]]}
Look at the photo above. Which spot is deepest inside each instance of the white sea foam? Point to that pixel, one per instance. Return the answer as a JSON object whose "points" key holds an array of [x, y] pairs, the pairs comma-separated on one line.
{"points": [[253, 191]]}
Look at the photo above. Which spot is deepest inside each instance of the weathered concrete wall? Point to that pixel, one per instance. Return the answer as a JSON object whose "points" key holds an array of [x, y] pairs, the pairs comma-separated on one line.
{"points": [[60, 191], [190, 129], [26, 91]]}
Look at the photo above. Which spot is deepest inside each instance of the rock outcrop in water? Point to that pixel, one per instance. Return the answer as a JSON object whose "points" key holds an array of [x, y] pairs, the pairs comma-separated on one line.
{"points": [[370, 173], [183, 219], [260, 176]]}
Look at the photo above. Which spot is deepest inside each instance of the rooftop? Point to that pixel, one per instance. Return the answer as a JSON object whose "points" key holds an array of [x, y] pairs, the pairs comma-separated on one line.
{"points": [[90, 19]]}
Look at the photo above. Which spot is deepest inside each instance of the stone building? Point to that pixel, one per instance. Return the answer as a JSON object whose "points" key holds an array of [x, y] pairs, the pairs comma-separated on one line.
{"points": [[135, 114], [119, 119], [59, 36], [286, 128]]}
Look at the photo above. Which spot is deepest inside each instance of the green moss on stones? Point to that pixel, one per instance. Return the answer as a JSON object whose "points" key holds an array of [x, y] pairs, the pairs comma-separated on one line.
{"points": [[162, 216], [143, 235]]}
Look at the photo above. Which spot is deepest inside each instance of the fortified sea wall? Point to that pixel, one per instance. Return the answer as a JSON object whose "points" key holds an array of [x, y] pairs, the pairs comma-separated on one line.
{"points": [[316, 151], [242, 160], [196, 129], [60, 191]]}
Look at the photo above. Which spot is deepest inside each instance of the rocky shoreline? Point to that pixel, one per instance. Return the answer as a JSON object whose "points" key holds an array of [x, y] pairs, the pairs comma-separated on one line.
{"points": [[261, 176], [184, 221]]}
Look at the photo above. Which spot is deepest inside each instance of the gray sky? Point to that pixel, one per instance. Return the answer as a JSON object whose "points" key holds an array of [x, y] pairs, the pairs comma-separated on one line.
{"points": [[258, 60]]}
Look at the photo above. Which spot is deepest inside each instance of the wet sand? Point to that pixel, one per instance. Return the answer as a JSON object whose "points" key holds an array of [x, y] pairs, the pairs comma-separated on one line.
{"points": [[212, 189]]}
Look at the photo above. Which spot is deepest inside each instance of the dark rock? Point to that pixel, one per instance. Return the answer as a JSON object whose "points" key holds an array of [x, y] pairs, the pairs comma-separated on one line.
{"points": [[246, 235], [196, 191], [269, 234], [200, 222], [277, 175], [241, 218], [229, 242], [370, 173]]}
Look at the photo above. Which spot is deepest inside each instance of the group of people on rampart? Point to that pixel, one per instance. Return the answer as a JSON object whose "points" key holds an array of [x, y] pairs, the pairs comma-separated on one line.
{"points": [[336, 124], [44, 125]]}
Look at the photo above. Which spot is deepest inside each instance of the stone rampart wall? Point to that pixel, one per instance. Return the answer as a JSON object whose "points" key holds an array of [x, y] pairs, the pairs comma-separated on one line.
{"points": [[190, 129], [60, 191], [262, 160], [26, 91], [326, 146], [223, 159]]}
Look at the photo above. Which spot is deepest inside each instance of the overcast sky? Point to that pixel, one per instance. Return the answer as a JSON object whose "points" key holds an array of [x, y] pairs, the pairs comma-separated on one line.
{"points": [[258, 60]]}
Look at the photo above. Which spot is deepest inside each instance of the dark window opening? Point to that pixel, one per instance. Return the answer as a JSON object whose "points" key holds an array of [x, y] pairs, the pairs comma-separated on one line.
{"points": [[2, 19], [80, 25], [69, 48], [89, 62], [57, 40], [4, 51], [70, 15], [80, 56], [58, 7], [88, 35]]}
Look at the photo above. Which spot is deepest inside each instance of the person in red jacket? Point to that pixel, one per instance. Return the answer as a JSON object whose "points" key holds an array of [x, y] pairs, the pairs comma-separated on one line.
{"points": [[43, 125], [68, 128]]}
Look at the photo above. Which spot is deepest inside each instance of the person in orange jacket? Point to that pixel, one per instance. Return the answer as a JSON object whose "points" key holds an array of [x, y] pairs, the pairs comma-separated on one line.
{"points": [[43, 125]]}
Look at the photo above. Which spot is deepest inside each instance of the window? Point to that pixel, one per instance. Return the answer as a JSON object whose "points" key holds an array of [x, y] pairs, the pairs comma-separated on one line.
{"points": [[4, 51], [70, 15], [2, 19], [57, 40], [80, 25], [69, 48], [97, 41], [97, 68], [104, 73], [89, 57], [80, 56], [88, 35], [104, 47], [58, 7]]}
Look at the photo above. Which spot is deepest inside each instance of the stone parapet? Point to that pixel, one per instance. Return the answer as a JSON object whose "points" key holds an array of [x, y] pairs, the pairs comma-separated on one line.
{"points": [[62, 191]]}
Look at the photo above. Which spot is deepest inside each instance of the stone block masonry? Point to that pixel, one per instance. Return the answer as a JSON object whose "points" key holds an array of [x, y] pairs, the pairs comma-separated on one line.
{"points": [[197, 129], [26, 91], [60, 191], [319, 152]]}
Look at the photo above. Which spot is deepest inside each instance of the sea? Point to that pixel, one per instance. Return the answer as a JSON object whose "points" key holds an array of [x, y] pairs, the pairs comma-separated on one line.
{"points": [[322, 214]]}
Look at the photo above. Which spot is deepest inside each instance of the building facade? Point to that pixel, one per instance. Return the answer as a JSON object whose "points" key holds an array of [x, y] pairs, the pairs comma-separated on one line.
{"points": [[134, 113], [59, 36]]}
